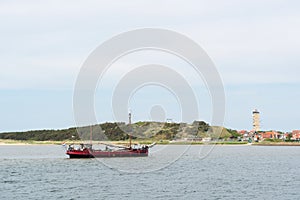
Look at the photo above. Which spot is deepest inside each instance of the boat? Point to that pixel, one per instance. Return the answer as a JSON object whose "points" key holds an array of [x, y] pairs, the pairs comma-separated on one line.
{"points": [[87, 151]]}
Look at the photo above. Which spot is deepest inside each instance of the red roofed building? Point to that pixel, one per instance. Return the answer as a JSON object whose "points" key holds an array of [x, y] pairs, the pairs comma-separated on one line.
{"points": [[295, 135], [270, 135], [242, 132]]}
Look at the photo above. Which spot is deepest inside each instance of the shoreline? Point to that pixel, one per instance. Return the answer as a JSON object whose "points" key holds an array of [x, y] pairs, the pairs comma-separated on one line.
{"points": [[278, 144], [4, 142]]}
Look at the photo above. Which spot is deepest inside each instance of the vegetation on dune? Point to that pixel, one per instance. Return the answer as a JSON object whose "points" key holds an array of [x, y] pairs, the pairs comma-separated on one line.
{"points": [[118, 131], [42, 135]]}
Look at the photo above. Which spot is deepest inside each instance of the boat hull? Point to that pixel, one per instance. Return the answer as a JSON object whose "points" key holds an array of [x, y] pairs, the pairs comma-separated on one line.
{"points": [[106, 154]]}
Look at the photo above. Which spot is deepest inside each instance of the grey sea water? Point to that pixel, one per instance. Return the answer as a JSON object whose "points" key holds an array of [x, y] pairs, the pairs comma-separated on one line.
{"points": [[227, 172]]}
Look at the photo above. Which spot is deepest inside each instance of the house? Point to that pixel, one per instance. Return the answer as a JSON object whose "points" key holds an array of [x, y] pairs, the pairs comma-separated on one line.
{"points": [[270, 135], [295, 135], [242, 132], [244, 135]]}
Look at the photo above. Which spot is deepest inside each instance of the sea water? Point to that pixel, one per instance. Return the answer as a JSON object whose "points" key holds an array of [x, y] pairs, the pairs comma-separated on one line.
{"points": [[170, 172]]}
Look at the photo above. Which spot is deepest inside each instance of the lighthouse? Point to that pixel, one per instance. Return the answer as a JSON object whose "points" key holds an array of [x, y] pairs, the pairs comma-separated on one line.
{"points": [[256, 120]]}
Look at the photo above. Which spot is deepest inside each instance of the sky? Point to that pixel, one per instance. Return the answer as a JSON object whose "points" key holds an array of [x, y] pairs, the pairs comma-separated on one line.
{"points": [[254, 45]]}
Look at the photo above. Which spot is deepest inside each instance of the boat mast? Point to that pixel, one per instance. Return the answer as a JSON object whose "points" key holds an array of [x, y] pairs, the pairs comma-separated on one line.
{"points": [[129, 122], [91, 134]]}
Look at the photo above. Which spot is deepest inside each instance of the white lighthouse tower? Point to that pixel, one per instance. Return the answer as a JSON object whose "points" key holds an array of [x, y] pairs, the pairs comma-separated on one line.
{"points": [[256, 120]]}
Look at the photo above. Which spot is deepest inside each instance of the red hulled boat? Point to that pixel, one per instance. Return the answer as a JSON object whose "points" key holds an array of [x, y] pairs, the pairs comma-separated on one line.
{"points": [[86, 151]]}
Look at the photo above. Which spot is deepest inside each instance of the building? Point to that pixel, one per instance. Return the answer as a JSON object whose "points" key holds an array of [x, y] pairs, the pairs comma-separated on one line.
{"points": [[244, 135], [295, 135], [256, 120], [270, 135], [242, 132]]}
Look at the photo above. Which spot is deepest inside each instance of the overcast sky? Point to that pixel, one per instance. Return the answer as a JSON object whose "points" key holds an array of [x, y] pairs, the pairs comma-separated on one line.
{"points": [[254, 44]]}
